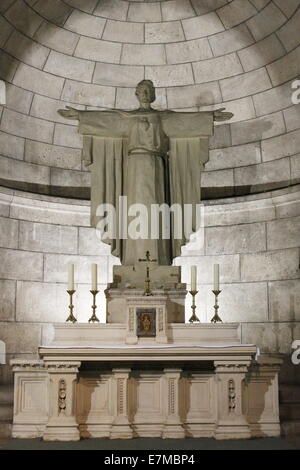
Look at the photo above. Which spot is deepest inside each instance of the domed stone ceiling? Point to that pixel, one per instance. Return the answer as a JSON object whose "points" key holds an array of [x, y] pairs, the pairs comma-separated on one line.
{"points": [[201, 54]]}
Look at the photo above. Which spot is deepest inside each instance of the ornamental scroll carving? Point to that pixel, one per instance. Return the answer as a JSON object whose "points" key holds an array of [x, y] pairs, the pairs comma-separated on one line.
{"points": [[231, 396], [62, 395]]}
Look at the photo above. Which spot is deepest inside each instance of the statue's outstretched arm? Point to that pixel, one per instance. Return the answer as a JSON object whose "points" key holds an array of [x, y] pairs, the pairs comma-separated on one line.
{"points": [[219, 115], [69, 113]]}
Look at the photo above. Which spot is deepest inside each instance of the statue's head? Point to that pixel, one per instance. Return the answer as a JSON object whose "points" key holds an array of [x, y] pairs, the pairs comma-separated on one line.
{"points": [[145, 91]]}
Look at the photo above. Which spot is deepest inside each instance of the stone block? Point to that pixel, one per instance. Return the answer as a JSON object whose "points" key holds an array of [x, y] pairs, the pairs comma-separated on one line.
{"points": [[46, 108], [282, 146], [23, 17], [20, 265], [202, 26], [47, 211], [163, 32], [273, 100], [18, 99], [5, 31], [6, 196], [259, 4], [56, 38], [118, 75], [188, 51], [40, 302], [124, 32], [292, 118], [69, 67], [93, 95], [176, 10], [231, 157], [48, 238], [52, 155], [71, 178], [236, 12], [101, 51], [261, 53], [283, 233], [257, 129], [21, 338], [90, 243], [56, 268], [112, 9], [246, 84], [287, 205], [8, 299], [245, 238], [143, 54], [26, 126], [239, 213], [56, 12], [288, 34], [9, 232], [67, 136], [232, 299], [5, 4], [170, 75], [8, 66], [271, 265], [269, 337], [288, 7], [221, 137], [88, 6], [266, 21], [229, 268], [264, 173], [295, 166], [242, 109], [26, 50], [37, 81], [144, 12], [11, 146], [230, 40], [286, 68], [87, 25], [16, 170], [284, 300], [217, 68], [193, 95], [217, 179], [205, 6], [126, 99]]}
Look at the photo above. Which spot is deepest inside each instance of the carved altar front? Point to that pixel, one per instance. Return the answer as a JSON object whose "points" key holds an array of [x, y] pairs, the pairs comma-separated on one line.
{"points": [[89, 383]]}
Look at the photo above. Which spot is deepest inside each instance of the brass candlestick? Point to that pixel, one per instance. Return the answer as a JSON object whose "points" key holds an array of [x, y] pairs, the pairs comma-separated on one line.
{"points": [[194, 317], [71, 317], [216, 317], [148, 280], [94, 306]]}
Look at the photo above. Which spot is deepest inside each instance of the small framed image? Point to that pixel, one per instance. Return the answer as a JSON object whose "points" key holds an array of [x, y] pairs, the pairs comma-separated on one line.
{"points": [[146, 322]]}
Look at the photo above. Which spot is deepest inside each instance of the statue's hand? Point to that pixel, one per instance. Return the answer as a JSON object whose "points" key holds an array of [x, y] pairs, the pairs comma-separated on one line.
{"points": [[219, 115], [69, 113]]}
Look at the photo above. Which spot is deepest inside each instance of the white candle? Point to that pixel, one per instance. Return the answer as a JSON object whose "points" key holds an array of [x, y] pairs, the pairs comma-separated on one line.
{"points": [[71, 277], [216, 277], [94, 277], [193, 278]]}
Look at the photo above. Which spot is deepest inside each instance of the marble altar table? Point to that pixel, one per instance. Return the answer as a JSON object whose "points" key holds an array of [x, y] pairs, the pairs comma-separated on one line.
{"points": [[89, 383]]}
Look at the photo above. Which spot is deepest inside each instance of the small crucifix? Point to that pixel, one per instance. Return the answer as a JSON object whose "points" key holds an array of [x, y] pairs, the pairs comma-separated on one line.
{"points": [[147, 280]]}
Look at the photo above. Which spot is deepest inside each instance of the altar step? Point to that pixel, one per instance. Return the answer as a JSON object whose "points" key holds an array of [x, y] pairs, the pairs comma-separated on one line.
{"points": [[289, 396], [6, 410]]}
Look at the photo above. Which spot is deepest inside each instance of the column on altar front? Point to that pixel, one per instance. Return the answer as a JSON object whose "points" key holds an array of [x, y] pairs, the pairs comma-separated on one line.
{"points": [[62, 424], [173, 428], [231, 421], [121, 427]]}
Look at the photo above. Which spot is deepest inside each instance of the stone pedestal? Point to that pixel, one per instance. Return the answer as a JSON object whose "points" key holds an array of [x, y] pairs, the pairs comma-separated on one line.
{"points": [[231, 421], [62, 424], [121, 428]]}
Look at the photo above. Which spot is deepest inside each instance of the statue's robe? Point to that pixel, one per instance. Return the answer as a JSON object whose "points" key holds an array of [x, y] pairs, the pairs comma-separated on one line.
{"points": [[152, 157]]}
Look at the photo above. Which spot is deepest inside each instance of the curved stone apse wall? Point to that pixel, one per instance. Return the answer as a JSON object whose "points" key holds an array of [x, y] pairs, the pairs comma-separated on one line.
{"points": [[201, 54]]}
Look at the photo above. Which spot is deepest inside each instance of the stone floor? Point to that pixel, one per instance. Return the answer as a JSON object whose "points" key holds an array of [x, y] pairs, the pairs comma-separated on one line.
{"points": [[150, 444]]}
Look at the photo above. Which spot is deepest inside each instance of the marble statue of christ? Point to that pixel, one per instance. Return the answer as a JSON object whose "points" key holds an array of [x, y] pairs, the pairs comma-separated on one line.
{"points": [[150, 156]]}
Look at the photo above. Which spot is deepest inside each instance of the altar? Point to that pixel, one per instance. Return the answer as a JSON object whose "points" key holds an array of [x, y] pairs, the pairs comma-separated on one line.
{"points": [[89, 383]]}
